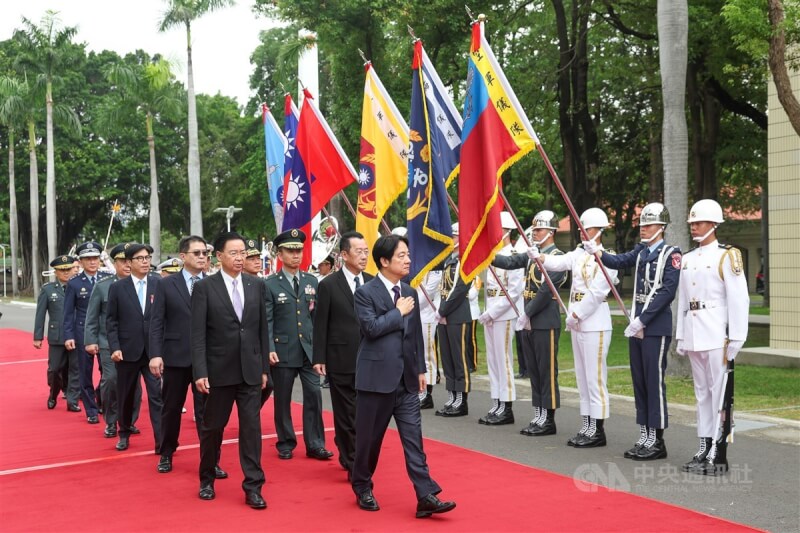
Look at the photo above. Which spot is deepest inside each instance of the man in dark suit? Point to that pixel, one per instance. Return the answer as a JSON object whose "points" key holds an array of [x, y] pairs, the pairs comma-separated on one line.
{"points": [[170, 347], [390, 374], [336, 339], [291, 304], [230, 363], [130, 303]]}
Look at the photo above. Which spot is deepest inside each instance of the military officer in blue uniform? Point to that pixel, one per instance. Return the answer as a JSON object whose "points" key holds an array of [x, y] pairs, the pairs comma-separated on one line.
{"points": [[51, 302], [657, 268], [76, 301], [291, 300]]}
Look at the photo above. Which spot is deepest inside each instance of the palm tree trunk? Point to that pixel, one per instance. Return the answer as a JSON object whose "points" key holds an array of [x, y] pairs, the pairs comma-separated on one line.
{"points": [[12, 215], [195, 207], [155, 214], [35, 268], [673, 28], [50, 188]]}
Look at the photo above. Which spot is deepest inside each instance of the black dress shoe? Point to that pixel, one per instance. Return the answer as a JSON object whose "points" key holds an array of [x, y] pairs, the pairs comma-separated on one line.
{"points": [[426, 402], [75, 408], [164, 464], [650, 453], [134, 430], [122, 444], [630, 454], [367, 501], [51, 403], [528, 430], [440, 412], [319, 453], [254, 500], [430, 504], [502, 419], [220, 473], [93, 419], [452, 412], [111, 431], [548, 428], [207, 492], [595, 441], [285, 454]]}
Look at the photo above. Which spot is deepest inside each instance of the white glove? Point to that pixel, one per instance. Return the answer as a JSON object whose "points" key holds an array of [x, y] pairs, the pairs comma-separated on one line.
{"points": [[440, 319], [635, 329], [523, 323], [679, 349], [733, 349], [533, 253], [573, 324], [592, 246], [485, 318]]}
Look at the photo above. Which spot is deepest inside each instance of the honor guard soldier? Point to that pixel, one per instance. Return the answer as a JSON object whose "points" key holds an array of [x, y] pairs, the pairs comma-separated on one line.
{"points": [[252, 261], [540, 326], [454, 334], [170, 266], [76, 301], [429, 300], [96, 338], [657, 267], [589, 320], [713, 309], [325, 267], [51, 303], [498, 321], [291, 300]]}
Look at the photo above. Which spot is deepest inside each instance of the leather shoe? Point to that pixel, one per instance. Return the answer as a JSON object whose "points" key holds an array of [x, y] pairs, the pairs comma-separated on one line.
{"points": [[285, 454], [319, 453], [650, 453], [630, 454], [506, 417], [219, 473], [134, 430], [572, 440], [427, 402], [430, 504], [548, 428], [111, 431], [74, 407], [164, 464], [122, 444], [452, 412], [254, 500], [207, 492], [528, 430], [595, 441], [93, 419], [51, 403], [367, 501]]}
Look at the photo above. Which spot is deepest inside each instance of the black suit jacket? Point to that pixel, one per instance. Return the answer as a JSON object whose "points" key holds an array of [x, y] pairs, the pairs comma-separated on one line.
{"points": [[170, 325], [392, 345], [336, 329], [128, 329], [226, 350]]}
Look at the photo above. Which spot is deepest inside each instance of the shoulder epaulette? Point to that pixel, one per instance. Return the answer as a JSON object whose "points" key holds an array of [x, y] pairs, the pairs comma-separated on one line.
{"points": [[610, 252], [725, 246], [106, 279]]}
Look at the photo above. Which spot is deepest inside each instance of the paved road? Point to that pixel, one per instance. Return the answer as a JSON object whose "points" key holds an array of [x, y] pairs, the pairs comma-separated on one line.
{"points": [[762, 489]]}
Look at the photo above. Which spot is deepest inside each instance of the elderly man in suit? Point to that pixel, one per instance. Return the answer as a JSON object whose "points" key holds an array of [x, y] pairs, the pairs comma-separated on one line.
{"points": [[336, 339], [229, 362], [390, 374], [291, 304], [130, 303]]}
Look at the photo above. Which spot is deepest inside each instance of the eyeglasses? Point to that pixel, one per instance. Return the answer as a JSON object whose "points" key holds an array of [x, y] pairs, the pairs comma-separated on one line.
{"points": [[142, 258], [360, 251], [237, 253], [198, 253]]}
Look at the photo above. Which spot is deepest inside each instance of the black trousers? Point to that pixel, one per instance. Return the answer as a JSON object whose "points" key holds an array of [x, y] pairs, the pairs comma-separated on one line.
{"points": [[313, 429], [454, 340], [648, 366], [540, 347], [374, 410], [175, 382], [108, 390], [127, 376], [62, 373], [218, 405], [343, 401]]}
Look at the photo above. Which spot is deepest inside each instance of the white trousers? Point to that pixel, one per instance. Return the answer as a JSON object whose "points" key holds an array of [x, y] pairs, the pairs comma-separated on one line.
{"points": [[499, 338], [431, 359], [708, 371], [590, 350]]}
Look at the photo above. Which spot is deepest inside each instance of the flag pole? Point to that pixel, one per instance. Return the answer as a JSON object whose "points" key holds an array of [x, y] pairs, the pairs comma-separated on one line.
{"points": [[114, 209], [537, 261], [577, 220]]}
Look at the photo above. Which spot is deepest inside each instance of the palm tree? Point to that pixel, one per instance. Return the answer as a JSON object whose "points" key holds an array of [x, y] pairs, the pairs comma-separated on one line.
{"points": [[12, 115], [183, 13], [44, 50], [145, 89]]}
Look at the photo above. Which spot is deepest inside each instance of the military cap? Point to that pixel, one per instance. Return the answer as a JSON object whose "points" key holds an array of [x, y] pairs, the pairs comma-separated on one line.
{"points": [[133, 247], [89, 249], [170, 265], [292, 239], [330, 260], [118, 252], [63, 262], [252, 248]]}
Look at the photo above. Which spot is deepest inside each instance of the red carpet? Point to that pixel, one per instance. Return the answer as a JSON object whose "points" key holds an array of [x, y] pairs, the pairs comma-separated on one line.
{"points": [[58, 473]]}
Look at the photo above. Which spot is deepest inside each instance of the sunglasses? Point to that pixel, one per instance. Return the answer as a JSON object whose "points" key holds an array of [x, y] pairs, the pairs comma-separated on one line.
{"points": [[198, 253]]}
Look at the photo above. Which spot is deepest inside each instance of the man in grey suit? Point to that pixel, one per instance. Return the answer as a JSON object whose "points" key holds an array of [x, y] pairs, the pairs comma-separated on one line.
{"points": [[51, 302], [291, 302], [390, 374]]}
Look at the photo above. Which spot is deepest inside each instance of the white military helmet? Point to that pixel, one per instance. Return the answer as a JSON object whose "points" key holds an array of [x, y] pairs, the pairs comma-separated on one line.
{"points": [[400, 230], [706, 211], [594, 218], [507, 221], [545, 219], [455, 229], [654, 213]]}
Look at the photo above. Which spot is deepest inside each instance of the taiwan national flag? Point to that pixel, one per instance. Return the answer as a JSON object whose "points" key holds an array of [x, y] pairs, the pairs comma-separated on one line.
{"points": [[435, 145], [496, 135], [276, 147]]}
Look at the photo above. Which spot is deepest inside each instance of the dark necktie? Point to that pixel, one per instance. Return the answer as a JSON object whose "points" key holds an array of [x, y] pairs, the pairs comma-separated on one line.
{"points": [[396, 291], [296, 286], [358, 282], [193, 280], [91, 280]]}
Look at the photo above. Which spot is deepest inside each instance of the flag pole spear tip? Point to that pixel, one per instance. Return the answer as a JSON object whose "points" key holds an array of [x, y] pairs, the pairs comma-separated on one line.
{"points": [[469, 13], [411, 32], [366, 61]]}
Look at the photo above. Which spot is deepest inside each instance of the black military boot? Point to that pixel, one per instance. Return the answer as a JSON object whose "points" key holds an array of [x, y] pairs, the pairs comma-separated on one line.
{"points": [[654, 447], [492, 411], [581, 432], [594, 437], [716, 463], [459, 407], [451, 397], [427, 401], [548, 426], [700, 457], [629, 454], [503, 416], [534, 423]]}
